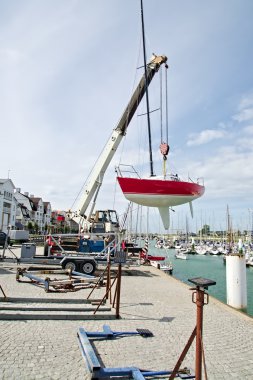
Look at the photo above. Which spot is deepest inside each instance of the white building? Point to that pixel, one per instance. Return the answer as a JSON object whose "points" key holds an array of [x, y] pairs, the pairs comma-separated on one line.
{"points": [[24, 208], [32, 209], [7, 204], [47, 215], [37, 212]]}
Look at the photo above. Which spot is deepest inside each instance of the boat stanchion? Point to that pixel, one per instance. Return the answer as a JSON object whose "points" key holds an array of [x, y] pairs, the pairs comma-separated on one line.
{"points": [[200, 298]]}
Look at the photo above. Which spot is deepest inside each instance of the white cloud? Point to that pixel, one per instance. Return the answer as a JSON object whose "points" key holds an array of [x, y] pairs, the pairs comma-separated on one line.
{"points": [[245, 144], [245, 109], [244, 115], [227, 173], [246, 101], [248, 129], [205, 137]]}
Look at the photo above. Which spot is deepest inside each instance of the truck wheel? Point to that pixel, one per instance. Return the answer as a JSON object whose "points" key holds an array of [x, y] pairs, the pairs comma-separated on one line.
{"points": [[88, 267], [70, 265]]}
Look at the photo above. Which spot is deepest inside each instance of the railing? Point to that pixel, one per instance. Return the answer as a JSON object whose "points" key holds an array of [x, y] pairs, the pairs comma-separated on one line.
{"points": [[37, 238], [127, 169], [61, 240]]}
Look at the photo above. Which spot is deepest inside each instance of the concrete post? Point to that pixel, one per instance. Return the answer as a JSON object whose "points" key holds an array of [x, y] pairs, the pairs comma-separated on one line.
{"points": [[236, 281]]}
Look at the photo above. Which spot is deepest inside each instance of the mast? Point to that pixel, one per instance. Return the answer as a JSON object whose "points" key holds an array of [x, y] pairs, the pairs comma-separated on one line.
{"points": [[229, 232], [147, 97]]}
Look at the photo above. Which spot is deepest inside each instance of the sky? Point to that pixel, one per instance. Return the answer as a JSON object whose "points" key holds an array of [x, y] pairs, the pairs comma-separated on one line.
{"points": [[68, 69]]}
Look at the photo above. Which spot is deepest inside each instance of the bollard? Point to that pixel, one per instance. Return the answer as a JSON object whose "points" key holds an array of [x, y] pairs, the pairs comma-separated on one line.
{"points": [[236, 281]]}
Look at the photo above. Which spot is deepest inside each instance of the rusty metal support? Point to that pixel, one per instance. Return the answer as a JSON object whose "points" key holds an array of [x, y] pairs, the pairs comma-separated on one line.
{"points": [[182, 356], [118, 288], [97, 283], [204, 359], [200, 294], [105, 296], [108, 281], [3, 292], [115, 293], [198, 297]]}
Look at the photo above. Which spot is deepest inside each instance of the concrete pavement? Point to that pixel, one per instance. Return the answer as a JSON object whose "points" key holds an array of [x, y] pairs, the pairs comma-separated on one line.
{"points": [[150, 299]]}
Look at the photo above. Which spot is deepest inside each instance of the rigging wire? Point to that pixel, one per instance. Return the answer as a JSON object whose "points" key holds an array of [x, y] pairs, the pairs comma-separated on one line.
{"points": [[133, 87], [140, 130], [166, 102], [164, 147], [162, 101], [161, 105], [142, 133]]}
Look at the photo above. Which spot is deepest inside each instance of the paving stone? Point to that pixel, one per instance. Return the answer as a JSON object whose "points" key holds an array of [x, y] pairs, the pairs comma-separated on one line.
{"points": [[150, 299]]}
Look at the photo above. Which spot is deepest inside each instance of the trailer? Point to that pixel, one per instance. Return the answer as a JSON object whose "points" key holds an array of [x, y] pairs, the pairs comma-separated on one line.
{"points": [[71, 252], [84, 263]]}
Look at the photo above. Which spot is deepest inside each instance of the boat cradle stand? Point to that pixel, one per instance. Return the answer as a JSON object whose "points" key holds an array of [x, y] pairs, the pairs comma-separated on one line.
{"points": [[98, 372], [80, 278]]}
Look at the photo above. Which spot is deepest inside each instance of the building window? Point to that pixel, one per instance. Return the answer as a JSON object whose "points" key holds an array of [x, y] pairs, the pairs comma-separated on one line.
{"points": [[7, 195]]}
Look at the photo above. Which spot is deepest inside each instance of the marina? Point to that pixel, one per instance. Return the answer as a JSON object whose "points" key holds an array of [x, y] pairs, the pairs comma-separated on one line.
{"points": [[210, 266], [150, 300], [183, 304]]}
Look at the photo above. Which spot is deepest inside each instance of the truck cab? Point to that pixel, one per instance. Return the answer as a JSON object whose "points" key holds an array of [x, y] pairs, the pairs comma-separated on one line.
{"points": [[104, 221]]}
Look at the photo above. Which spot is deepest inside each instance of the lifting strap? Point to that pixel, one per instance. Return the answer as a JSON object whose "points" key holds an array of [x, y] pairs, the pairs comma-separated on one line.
{"points": [[164, 147]]}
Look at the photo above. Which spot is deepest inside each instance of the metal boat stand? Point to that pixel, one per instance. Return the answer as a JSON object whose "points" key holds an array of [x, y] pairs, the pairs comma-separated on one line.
{"points": [[99, 372], [80, 278], [200, 298], [120, 258], [3, 292]]}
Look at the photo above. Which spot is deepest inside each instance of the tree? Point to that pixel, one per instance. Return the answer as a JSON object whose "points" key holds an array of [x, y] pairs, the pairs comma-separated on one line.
{"points": [[30, 227], [205, 230], [36, 227]]}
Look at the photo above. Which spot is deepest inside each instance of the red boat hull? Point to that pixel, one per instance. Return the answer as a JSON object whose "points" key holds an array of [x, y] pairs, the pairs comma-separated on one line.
{"points": [[153, 258], [159, 192]]}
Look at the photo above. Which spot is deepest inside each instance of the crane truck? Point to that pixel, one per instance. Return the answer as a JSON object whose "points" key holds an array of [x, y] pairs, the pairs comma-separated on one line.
{"points": [[106, 221]]}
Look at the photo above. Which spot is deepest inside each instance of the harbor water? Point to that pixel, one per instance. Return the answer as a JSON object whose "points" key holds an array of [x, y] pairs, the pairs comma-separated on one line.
{"points": [[208, 266]]}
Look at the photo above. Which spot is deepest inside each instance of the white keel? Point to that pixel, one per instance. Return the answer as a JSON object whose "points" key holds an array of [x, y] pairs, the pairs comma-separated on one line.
{"points": [[165, 216], [191, 208]]}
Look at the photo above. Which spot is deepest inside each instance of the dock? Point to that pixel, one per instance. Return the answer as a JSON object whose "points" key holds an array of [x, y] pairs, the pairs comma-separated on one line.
{"points": [[150, 299]]}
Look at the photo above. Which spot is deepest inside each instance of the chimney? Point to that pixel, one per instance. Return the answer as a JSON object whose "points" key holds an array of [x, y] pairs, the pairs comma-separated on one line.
{"points": [[18, 190], [31, 196], [26, 194]]}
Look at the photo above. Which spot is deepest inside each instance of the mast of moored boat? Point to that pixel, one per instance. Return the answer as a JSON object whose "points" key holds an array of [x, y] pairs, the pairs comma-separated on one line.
{"points": [[229, 232]]}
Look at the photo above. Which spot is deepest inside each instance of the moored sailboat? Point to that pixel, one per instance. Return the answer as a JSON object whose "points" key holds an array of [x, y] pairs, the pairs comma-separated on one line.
{"points": [[181, 255]]}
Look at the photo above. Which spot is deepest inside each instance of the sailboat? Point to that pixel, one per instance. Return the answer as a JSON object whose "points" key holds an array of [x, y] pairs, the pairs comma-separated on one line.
{"points": [[161, 192]]}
